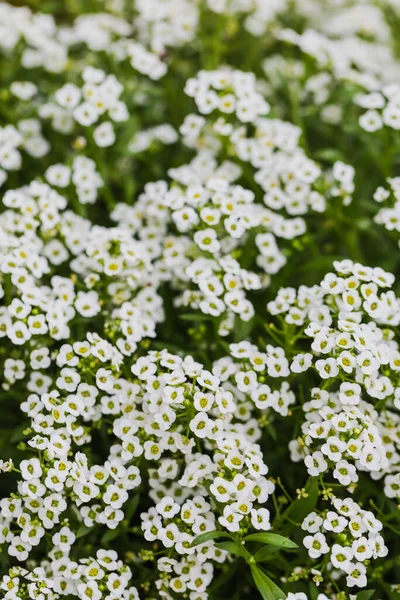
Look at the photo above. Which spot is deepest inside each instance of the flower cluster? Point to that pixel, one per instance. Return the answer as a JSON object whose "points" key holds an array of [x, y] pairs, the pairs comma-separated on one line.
{"points": [[193, 403], [99, 96], [351, 423], [150, 412], [354, 538], [228, 92], [81, 178], [382, 108], [247, 370], [26, 136], [389, 214], [102, 577]]}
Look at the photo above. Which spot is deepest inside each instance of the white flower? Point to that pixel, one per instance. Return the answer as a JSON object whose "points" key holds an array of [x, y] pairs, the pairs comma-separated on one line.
{"points": [[260, 519], [169, 535], [221, 489], [89, 590], [341, 557], [230, 519], [349, 393], [87, 304], [206, 239], [30, 469], [357, 575], [316, 545], [345, 473], [6, 466], [333, 448], [104, 135], [301, 362], [167, 507], [327, 368], [315, 463], [85, 114], [312, 523]]}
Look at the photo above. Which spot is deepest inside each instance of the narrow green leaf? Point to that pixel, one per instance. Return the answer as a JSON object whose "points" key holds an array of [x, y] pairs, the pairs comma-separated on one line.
{"points": [[111, 534], [265, 585], [83, 530], [207, 536], [271, 538], [302, 507], [329, 155], [131, 507], [234, 548], [314, 593], [242, 329], [265, 552], [365, 594], [195, 317], [18, 432]]}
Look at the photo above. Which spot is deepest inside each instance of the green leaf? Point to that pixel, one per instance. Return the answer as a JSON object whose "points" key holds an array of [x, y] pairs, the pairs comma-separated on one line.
{"points": [[207, 536], [111, 534], [265, 585], [234, 548], [314, 593], [329, 155], [195, 317], [18, 432], [242, 329], [265, 552], [271, 538], [302, 507], [83, 530], [365, 594], [131, 507]]}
